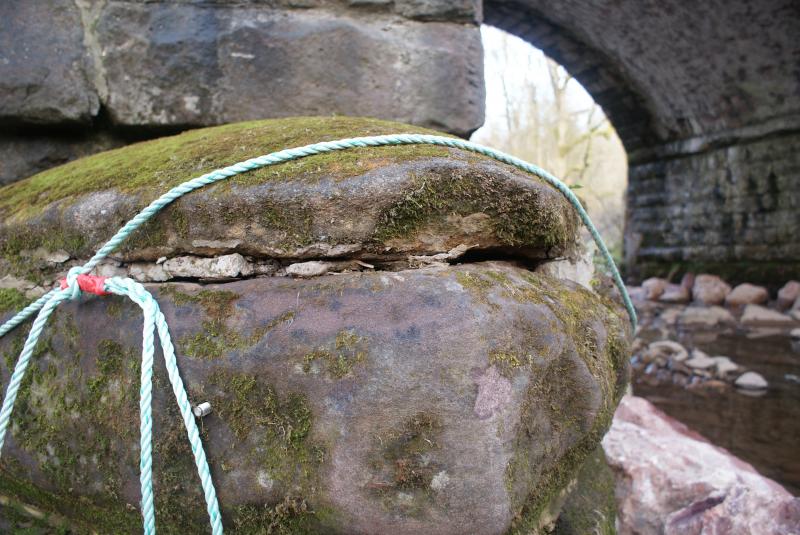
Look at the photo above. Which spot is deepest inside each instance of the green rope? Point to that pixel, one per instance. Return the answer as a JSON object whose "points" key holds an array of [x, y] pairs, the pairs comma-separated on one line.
{"points": [[155, 320]]}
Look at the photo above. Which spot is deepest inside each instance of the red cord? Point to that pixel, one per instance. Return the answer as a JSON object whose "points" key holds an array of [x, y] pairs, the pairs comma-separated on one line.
{"points": [[88, 283]]}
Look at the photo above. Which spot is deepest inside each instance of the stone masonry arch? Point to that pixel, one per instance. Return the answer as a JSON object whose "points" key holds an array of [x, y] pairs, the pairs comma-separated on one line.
{"points": [[705, 96]]}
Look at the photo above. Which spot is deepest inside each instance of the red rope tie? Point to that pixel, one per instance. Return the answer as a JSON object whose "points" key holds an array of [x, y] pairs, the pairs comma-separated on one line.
{"points": [[88, 283]]}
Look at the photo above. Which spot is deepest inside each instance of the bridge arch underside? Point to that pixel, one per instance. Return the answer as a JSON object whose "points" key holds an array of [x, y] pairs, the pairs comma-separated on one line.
{"points": [[706, 99]]}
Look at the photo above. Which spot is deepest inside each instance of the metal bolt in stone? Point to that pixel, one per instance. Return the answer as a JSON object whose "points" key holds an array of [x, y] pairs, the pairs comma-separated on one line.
{"points": [[204, 409]]}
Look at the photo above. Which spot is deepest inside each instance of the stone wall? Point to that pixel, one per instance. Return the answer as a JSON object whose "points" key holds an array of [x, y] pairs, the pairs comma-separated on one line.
{"points": [[733, 210], [704, 96], [81, 76]]}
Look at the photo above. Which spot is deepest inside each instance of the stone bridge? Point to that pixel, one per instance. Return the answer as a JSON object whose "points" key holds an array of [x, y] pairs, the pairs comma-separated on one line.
{"points": [[704, 95]]}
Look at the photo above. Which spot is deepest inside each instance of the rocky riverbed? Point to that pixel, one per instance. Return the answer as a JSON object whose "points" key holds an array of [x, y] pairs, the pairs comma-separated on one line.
{"points": [[725, 361]]}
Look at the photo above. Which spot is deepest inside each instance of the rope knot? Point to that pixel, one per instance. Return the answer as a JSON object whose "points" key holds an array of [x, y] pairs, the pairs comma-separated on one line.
{"points": [[78, 283]]}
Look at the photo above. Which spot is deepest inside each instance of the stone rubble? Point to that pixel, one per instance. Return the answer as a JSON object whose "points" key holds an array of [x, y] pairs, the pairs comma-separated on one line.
{"points": [[746, 306], [668, 361], [306, 270]]}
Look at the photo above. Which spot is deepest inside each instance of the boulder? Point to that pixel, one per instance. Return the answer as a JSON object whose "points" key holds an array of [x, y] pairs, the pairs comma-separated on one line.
{"points": [[671, 481], [675, 293], [702, 316], [747, 294], [724, 366], [751, 381], [710, 290], [591, 507], [663, 351], [758, 316], [381, 394], [788, 294], [654, 287], [700, 361]]}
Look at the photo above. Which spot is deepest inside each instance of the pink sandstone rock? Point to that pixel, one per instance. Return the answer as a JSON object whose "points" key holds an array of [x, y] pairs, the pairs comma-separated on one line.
{"points": [[747, 294], [788, 294], [710, 290], [671, 481], [654, 287]]}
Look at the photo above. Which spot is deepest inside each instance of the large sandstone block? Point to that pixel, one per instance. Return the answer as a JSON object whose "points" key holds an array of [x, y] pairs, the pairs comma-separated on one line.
{"points": [[202, 64], [439, 381], [45, 72], [378, 204]]}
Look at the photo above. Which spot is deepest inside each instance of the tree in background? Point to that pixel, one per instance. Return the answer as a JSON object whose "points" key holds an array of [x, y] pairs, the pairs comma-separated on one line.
{"points": [[537, 111]]}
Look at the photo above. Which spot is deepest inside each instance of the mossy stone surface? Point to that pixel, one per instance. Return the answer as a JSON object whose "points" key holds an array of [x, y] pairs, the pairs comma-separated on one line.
{"points": [[380, 202], [462, 399]]}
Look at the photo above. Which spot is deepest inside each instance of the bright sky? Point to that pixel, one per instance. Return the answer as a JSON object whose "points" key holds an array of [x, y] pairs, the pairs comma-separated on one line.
{"points": [[510, 60]]}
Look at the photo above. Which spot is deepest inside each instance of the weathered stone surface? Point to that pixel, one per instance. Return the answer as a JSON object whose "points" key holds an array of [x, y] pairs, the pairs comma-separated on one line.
{"points": [[313, 268], [695, 316], [654, 287], [382, 203], [450, 10], [751, 381], [710, 289], [44, 70], [202, 64], [23, 156], [788, 294], [591, 507], [220, 267], [758, 316], [671, 481], [747, 294], [731, 211], [441, 400], [675, 293]]}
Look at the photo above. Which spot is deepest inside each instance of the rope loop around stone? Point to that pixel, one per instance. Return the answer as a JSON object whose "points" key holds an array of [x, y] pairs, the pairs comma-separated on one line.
{"points": [[78, 281]]}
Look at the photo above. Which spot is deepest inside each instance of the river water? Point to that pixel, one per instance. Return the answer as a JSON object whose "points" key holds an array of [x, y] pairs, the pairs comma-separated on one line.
{"points": [[762, 430]]}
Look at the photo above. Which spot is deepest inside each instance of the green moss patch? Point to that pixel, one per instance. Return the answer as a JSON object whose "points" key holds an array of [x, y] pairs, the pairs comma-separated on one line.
{"points": [[591, 506], [276, 428], [152, 167], [12, 300], [215, 338], [518, 214], [348, 351], [56, 394]]}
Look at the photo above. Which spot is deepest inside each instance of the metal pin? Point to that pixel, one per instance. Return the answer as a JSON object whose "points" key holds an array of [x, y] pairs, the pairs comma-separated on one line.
{"points": [[204, 409]]}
